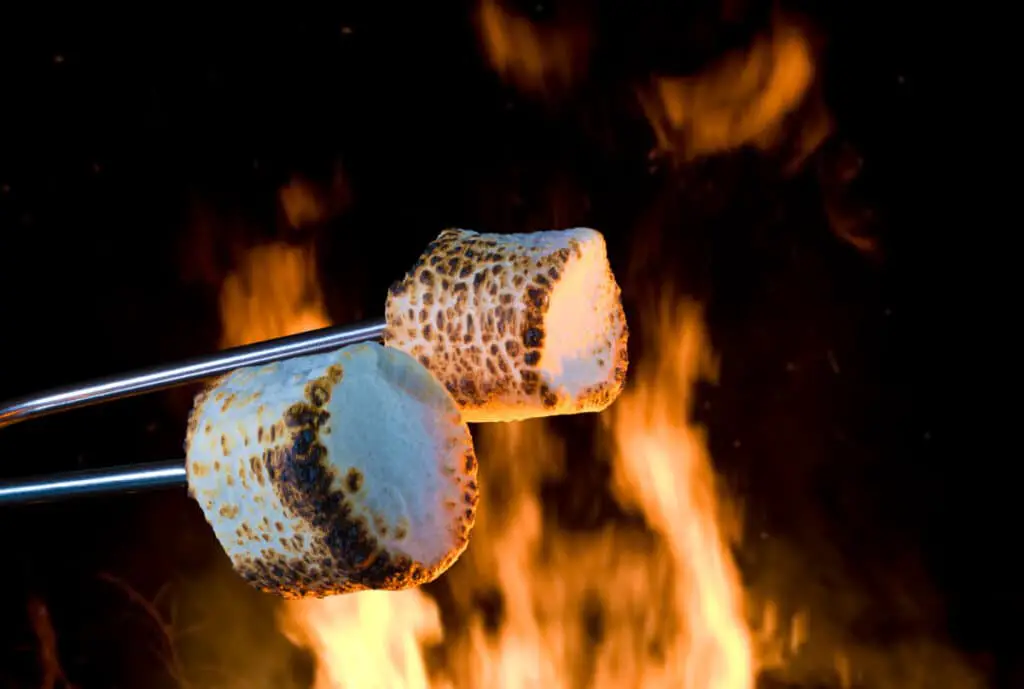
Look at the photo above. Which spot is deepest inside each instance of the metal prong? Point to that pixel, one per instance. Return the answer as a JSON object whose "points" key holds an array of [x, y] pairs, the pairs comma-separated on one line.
{"points": [[98, 482], [174, 375]]}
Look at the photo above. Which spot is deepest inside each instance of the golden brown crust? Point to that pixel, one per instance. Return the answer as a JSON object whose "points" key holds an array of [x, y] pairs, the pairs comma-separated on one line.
{"points": [[473, 309], [295, 527]]}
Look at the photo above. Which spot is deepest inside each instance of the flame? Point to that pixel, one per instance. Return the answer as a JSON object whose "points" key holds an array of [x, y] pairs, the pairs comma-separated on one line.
{"points": [[617, 605], [301, 203], [306, 203], [536, 57], [368, 639], [662, 466], [744, 99], [273, 293]]}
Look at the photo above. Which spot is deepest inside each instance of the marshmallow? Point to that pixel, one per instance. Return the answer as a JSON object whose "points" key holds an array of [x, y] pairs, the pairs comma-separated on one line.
{"points": [[334, 473], [516, 325]]}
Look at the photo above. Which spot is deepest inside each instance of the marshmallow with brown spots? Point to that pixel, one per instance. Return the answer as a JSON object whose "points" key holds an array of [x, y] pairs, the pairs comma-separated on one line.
{"points": [[334, 473], [515, 325]]}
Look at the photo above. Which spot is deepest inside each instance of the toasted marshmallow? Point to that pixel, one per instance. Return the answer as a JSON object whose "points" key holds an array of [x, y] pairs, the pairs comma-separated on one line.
{"points": [[515, 325], [334, 473]]}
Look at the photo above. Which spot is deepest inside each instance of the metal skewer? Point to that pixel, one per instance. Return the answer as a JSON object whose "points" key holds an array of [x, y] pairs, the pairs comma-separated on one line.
{"points": [[182, 373], [120, 479], [95, 482]]}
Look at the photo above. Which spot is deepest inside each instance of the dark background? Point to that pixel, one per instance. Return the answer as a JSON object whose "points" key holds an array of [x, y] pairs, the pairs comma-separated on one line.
{"points": [[140, 155]]}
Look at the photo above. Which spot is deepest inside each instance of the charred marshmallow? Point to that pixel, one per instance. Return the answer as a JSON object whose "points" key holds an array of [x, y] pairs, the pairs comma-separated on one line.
{"points": [[515, 325], [334, 473]]}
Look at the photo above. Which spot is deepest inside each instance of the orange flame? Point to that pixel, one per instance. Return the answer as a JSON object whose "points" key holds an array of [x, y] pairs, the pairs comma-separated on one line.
{"points": [[536, 57], [305, 203], [742, 100], [663, 468], [273, 293], [615, 605], [368, 639]]}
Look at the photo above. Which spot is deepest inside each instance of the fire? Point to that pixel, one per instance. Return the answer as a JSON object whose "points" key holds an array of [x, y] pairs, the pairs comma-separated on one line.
{"points": [[369, 639], [742, 100], [649, 597], [305, 203], [608, 567], [273, 293], [537, 57], [618, 605], [662, 466], [300, 203]]}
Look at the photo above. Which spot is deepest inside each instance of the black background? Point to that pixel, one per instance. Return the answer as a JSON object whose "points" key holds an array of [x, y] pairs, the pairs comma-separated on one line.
{"points": [[140, 154]]}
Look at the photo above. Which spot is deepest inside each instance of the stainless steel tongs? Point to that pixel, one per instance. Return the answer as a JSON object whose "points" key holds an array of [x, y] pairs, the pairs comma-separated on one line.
{"points": [[159, 474]]}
